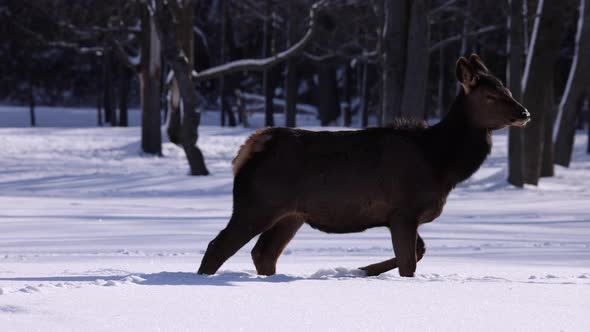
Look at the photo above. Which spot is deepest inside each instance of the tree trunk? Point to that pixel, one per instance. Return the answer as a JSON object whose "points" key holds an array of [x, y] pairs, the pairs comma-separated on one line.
{"points": [[538, 84], [291, 75], [99, 109], [547, 160], [110, 115], [241, 103], [581, 118], [291, 94], [124, 79], [394, 46], [267, 79], [222, 97], [225, 86], [442, 82], [32, 104], [223, 106], [230, 80], [467, 20], [226, 106], [191, 117], [346, 92], [328, 103], [365, 96], [150, 75], [578, 80], [418, 54], [514, 77]]}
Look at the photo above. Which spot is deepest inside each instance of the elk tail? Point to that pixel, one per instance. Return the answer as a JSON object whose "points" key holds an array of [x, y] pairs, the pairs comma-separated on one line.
{"points": [[254, 143]]}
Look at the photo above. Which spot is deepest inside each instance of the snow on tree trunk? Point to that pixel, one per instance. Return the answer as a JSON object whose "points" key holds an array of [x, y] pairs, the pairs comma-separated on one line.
{"points": [[183, 28], [514, 76], [538, 84], [175, 57], [577, 81], [173, 120]]}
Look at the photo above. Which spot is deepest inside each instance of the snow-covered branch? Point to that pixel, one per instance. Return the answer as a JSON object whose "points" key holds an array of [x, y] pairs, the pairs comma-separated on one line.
{"points": [[97, 50], [474, 33], [262, 64], [442, 8]]}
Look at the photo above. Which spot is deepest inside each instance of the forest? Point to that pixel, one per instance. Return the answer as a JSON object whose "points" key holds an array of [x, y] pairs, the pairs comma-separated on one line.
{"points": [[348, 62]]}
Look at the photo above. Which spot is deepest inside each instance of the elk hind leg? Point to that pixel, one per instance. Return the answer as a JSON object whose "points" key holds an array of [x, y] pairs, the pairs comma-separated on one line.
{"points": [[390, 264], [272, 242]]}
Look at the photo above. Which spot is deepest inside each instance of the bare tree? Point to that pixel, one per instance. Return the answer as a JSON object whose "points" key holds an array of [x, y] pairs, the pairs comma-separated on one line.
{"points": [[577, 82], [166, 13], [538, 85]]}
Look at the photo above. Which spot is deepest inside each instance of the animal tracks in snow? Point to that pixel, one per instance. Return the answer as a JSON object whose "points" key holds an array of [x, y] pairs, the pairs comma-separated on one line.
{"points": [[236, 278]]}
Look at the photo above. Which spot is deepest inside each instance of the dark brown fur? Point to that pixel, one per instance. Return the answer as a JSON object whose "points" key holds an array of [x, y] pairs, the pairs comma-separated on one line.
{"points": [[348, 181]]}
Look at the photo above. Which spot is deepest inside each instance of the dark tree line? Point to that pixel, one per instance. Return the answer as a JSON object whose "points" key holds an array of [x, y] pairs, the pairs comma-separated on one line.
{"points": [[358, 62]]}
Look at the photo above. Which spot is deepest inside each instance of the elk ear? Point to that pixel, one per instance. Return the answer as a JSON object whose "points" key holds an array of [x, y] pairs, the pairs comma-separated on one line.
{"points": [[478, 64], [465, 74]]}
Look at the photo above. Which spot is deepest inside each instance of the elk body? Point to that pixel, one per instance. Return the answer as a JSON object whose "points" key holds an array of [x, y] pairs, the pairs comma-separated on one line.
{"points": [[341, 182]]}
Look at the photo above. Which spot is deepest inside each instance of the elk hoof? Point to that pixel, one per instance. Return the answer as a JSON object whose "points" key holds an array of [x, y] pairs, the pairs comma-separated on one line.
{"points": [[370, 271], [407, 273]]}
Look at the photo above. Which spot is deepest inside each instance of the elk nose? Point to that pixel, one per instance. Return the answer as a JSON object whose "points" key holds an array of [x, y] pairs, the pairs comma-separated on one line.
{"points": [[524, 114]]}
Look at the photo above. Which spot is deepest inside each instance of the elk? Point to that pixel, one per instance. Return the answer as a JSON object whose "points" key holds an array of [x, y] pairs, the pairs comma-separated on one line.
{"points": [[348, 181]]}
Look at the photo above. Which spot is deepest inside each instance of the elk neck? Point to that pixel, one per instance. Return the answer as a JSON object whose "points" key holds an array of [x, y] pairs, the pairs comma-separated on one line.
{"points": [[455, 147]]}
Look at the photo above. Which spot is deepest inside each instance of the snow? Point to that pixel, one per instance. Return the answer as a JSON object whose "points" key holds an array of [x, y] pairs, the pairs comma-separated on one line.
{"points": [[95, 236]]}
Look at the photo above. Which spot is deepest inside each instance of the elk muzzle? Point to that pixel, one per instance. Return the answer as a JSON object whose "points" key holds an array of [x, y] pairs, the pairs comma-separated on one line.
{"points": [[523, 118]]}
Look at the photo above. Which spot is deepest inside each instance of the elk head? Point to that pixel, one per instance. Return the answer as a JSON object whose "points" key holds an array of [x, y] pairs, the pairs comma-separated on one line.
{"points": [[488, 103]]}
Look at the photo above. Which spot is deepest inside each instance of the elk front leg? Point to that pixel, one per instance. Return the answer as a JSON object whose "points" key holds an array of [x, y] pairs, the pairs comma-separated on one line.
{"points": [[404, 234], [390, 264]]}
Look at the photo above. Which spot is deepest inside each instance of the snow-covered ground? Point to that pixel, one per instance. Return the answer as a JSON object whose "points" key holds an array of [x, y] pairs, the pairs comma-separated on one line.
{"points": [[96, 237]]}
